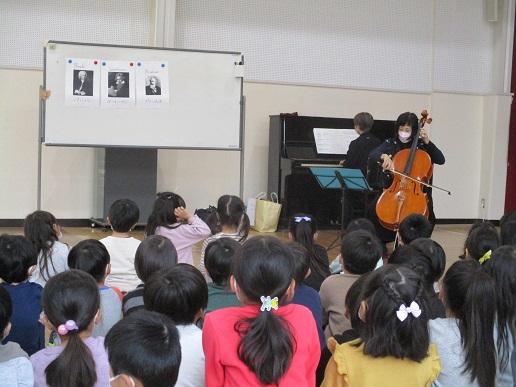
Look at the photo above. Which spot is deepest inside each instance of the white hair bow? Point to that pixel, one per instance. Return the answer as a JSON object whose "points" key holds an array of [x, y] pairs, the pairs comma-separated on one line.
{"points": [[403, 311], [298, 219]]}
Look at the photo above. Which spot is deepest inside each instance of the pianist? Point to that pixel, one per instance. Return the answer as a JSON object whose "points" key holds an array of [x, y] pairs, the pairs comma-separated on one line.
{"points": [[360, 147]]}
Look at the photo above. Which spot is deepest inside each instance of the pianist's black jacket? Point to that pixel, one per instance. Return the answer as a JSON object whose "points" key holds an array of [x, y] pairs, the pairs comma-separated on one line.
{"points": [[359, 150]]}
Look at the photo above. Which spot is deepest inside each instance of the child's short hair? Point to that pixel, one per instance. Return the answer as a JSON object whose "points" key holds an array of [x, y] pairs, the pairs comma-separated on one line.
{"points": [[301, 261], [508, 233], [17, 255], [414, 226], [154, 254], [430, 260], [353, 301], [360, 252], [482, 237], [123, 215], [90, 256], [364, 121], [384, 334], [6, 310], [361, 224], [179, 292], [218, 258], [145, 345]]}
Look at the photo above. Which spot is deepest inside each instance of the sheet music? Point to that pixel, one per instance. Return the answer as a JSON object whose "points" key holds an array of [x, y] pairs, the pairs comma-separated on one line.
{"points": [[333, 141]]}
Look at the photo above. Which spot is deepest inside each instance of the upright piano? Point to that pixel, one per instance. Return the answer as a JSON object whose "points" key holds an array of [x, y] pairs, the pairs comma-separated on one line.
{"points": [[292, 150]]}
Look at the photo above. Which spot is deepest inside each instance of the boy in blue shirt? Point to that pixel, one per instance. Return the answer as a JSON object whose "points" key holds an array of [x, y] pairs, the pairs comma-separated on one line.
{"points": [[18, 259]]}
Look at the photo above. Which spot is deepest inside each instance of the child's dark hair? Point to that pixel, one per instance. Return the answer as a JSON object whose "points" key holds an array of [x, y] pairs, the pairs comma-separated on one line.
{"points": [[179, 292], [508, 217], [6, 310], [154, 254], [414, 226], [353, 300], [361, 224], [502, 267], [123, 215], [300, 260], [163, 212], [469, 293], [90, 256], [39, 228], [384, 334], [303, 228], [71, 295], [364, 121], [231, 212], [508, 233], [145, 345], [482, 237], [17, 255], [264, 268], [360, 252], [409, 119], [429, 260], [402, 254], [218, 258]]}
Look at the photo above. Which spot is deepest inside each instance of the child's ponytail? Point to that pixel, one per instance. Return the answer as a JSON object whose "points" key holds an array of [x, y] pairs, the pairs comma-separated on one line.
{"points": [[303, 228], [231, 212], [266, 346], [74, 366], [264, 269], [70, 301], [469, 293]]}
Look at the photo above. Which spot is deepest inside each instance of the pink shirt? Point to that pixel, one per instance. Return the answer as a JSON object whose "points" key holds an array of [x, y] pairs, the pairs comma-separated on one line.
{"points": [[220, 342], [184, 236]]}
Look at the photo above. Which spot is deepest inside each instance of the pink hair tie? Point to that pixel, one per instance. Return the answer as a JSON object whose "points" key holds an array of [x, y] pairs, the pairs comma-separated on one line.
{"points": [[68, 326]]}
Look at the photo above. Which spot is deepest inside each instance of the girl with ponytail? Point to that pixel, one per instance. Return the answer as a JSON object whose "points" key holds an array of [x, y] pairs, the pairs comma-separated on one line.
{"points": [[70, 305], [267, 341], [465, 339], [394, 349], [303, 230], [230, 221]]}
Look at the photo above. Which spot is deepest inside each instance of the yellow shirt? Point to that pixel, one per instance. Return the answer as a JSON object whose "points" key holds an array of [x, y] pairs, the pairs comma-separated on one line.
{"points": [[350, 367]]}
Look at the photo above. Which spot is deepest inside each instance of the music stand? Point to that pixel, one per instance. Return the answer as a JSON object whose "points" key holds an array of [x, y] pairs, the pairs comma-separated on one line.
{"points": [[343, 179]]}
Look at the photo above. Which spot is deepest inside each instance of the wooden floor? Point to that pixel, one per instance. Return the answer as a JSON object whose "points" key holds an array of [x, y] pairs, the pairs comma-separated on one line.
{"points": [[451, 238]]}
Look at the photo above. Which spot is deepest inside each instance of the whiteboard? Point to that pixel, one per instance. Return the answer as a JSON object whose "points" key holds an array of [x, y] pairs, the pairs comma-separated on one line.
{"points": [[203, 110]]}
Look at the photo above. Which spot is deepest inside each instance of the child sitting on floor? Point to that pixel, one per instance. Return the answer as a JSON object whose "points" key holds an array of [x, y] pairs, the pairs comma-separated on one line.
{"points": [[170, 219], [122, 217], [92, 257], [155, 254], [18, 259], [394, 347], [15, 367], [218, 259], [181, 293], [144, 350]]}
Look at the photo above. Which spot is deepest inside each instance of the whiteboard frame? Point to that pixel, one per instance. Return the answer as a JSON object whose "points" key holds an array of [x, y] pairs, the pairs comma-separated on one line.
{"points": [[42, 112]]}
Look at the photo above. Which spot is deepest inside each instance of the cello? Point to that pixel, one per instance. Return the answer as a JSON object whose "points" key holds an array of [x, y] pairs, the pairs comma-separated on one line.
{"points": [[412, 170]]}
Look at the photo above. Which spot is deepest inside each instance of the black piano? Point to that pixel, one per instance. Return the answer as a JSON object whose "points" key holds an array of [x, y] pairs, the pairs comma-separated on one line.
{"points": [[292, 151]]}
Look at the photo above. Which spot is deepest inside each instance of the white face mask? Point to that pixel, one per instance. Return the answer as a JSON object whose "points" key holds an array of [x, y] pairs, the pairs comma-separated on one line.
{"points": [[404, 137]]}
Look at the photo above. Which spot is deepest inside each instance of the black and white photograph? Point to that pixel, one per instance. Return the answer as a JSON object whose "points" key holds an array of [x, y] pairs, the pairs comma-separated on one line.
{"points": [[83, 83], [118, 84], [152, 85]]}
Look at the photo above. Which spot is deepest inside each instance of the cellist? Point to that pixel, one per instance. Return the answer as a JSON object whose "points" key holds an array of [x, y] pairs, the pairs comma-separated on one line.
{"points": [[405, 129]]}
